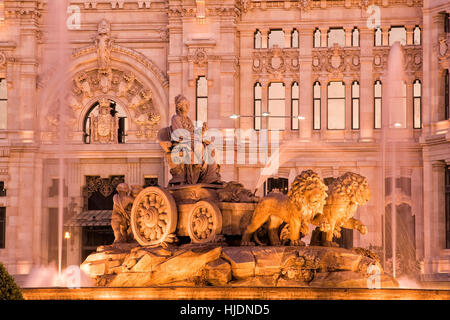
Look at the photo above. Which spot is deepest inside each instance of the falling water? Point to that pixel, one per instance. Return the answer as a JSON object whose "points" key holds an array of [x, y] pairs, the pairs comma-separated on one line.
{"points": [[393, 120], [55, 62]]}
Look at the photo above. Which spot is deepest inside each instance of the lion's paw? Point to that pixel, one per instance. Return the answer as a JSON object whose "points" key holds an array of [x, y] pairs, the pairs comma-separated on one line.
{"points": [[325, 226], [362, 229], [247, 243], [297, 243]]}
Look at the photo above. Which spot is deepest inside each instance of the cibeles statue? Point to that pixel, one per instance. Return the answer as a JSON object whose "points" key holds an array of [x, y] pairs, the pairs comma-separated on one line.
{"points": [[104, 125], [120, 219], [190, 155]]}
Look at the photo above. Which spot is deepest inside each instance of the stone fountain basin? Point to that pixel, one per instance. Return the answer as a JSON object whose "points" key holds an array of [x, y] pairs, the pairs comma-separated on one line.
{"points": [[130, 265]]}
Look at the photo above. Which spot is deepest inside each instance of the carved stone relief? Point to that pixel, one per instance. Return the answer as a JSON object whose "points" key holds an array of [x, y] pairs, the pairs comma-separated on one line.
{"points": [[106, 80], [275, 61], [336, 61]]}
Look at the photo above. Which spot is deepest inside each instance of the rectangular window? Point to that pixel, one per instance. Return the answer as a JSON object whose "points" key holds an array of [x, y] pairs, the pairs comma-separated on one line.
{"points": [[355, 105], [257, 94], [276, 37], [294, 106], [2, 227], [202, 99], [294, 39], [3, 103], [316, 106], [2, 189], [151, 181], [336, 36], [447, 206], [276, 106], [378, 37], [397, 34], [417, 101], [355, 37], [257, 44], [317, 39], [377, 104], [336, 106]]}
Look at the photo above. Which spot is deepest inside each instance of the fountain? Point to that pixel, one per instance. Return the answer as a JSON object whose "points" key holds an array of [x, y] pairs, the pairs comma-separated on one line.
{"points": [[198, 205]]}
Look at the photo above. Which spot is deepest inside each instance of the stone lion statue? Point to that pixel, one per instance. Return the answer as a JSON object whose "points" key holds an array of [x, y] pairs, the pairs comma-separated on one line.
{"points": [[298, 208], [345, 194]]}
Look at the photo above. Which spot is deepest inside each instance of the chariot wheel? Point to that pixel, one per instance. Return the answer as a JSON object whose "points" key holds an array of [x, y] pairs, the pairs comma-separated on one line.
{"points": [[153, 216], [204, 222]]}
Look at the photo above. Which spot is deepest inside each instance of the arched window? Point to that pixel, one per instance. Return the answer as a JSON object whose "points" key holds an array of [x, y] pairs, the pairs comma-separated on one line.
{"points": [[114, 110], [417, 36], [294, 38], [276, 37], [3, 103], [336, 36], [336, 105], [378, 37], [397, 34], [355, 105], [257, 43], [276, 106], [377, 104], [294, 106], [355, 37], [201, 94], [317, 39], [417, 104], [316, 105], [257, 94]]}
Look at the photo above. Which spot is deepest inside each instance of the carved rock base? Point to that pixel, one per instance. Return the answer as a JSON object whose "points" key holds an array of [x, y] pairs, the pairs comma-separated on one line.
{"points": [[130, 265]]}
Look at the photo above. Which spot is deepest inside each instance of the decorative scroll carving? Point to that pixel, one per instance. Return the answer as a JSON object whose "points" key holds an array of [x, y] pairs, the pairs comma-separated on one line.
{"points": [[443, 52], [275, 61], [2, 59], [105, 186], [336, 60]]}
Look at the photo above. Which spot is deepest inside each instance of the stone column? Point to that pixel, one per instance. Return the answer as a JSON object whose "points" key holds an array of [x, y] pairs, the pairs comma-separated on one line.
{"points": [[324, 105], [437, 215], [366, 85], [305, 84], [348, 107], [264, 103], [134, 172], [287, 38], [410, 35], [264, 39], [385, 35], [287, 103], [323, 37], [409, 108], [348, 36], [245, 77]]}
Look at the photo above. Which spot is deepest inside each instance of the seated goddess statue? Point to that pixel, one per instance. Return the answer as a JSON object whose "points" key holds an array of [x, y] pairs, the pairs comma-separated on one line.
{"points": [[183, 143]]}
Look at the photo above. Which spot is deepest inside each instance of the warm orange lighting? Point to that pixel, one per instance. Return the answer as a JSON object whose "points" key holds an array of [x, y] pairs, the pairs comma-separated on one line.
{"points": [[2, 11], [67, 235], [201, 11]]}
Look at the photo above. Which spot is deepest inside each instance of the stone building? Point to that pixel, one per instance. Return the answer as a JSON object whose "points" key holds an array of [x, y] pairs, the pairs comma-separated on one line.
{"points": [[309, 73]]}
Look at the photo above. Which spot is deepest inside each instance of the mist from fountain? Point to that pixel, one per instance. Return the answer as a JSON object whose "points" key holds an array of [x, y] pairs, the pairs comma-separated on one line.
{"points": [[393, 121], [55, 64]]}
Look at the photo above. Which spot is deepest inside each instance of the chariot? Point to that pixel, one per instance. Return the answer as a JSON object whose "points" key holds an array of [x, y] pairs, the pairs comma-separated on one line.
{"points": [[159, 214]]}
